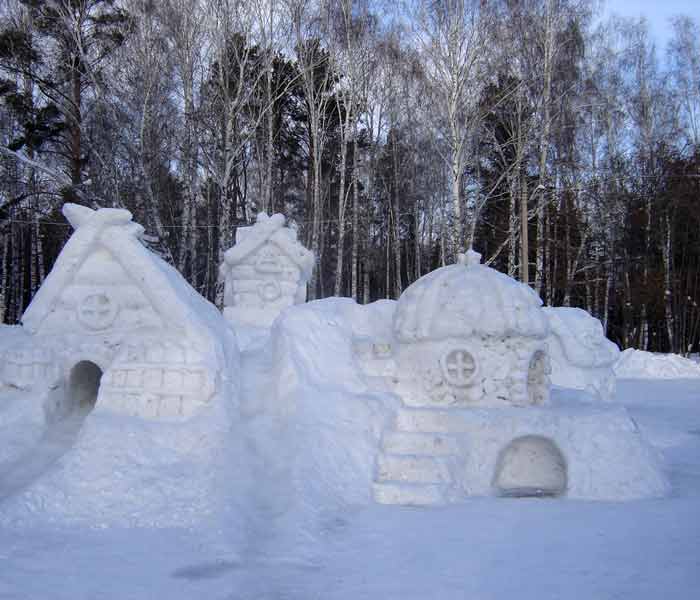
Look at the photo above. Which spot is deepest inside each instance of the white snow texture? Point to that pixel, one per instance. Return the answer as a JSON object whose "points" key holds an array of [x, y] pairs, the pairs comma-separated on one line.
{"points": [[127, 400]]}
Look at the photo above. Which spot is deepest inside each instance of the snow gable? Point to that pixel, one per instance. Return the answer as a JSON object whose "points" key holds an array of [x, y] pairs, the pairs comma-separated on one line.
{"points": [[105, 280], [270, 229]]}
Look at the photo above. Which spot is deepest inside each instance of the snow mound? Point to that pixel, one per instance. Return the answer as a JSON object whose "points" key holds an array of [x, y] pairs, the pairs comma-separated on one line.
{"points": [[311, 423], [334, 417], [104, 469], [638, 364], [580, 354]]}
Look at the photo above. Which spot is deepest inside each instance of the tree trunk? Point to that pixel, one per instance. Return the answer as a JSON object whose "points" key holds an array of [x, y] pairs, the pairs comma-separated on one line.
{"points": [[342, 167], [512, 226], [674, 346], [544, 143], [75, 127], [524, 250], [355, 217], [396, 229]]}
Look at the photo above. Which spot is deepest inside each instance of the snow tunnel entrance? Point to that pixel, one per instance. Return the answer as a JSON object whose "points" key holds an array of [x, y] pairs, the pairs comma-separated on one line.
{"points": [[84, 385], [531, 466], [537, 381]]}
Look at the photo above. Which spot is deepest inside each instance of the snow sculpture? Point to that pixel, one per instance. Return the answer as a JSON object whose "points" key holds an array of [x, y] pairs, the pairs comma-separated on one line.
{"points": [[265, 272], [582, 357], [111, 306], [472, 371], [471, 336]]}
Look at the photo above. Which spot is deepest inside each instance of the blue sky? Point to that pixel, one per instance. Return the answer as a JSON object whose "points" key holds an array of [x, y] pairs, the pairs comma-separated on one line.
{"points": [[657, 13]]}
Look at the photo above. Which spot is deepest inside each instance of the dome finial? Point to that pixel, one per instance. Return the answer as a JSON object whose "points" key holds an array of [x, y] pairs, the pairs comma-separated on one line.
{"points": [[469, 258]]}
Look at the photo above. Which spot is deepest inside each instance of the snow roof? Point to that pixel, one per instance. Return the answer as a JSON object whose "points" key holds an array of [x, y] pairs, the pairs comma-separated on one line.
{"points": [[272, 229], [113, 230], [468, 299]]}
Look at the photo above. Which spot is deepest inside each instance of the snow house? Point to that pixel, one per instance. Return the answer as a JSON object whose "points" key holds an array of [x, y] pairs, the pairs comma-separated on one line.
{"points": [[476, 419], [123, 329], [471, 336], [265, 272]]}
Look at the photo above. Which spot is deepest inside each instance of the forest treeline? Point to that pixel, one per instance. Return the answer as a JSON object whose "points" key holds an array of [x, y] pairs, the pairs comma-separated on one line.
{"points": [[394, 135]]}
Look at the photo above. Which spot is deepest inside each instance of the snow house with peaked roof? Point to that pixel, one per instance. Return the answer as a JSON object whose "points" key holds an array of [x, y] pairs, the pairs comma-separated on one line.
{"points": [[123, 328], [265, 272]]}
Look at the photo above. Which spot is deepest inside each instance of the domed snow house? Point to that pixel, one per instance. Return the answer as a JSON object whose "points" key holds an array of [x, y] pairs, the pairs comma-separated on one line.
{"points": [[582, 357], [265, 272], [471, 336], [472, 373], [115, 325]]}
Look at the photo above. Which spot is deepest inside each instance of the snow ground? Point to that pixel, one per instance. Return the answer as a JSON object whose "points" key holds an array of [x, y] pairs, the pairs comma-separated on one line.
{"points": [[484, 549]]}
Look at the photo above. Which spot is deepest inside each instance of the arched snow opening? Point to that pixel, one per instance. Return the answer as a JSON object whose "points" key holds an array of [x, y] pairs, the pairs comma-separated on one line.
{"points": [[537, 381], [84, 385], [531, 466]]}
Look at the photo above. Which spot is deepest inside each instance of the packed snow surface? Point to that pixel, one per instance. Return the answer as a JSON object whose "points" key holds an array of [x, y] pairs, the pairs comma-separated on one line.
{"points": [[638, 364], [486, 548]]}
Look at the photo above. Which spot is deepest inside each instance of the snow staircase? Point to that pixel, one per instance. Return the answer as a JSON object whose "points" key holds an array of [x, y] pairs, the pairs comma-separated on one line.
{"points": [[413, 466]]}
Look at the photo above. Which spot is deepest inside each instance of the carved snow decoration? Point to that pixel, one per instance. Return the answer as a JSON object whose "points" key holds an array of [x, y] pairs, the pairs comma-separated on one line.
{"points": [[265, 272], [582, 357], [97, 311], [458, 367], [472, 371], [112, 307]]}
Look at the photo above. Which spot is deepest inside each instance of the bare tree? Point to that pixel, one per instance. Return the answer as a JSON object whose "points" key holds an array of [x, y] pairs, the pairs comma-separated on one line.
{"points": [[451, 37]]}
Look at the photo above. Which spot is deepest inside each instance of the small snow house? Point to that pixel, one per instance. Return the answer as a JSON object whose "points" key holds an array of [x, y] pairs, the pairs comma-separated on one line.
{"points": [[582, 357], [472, 372], [471, 336], [265, 272], [122, 328]]}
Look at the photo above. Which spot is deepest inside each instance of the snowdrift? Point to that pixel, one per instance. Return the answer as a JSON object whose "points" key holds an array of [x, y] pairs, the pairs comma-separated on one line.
{"points": [[638, 364]]}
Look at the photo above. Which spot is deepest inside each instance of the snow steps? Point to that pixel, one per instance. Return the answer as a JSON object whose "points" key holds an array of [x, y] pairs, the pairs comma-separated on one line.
{"points": [[411, 469], [408, 495], [419, 444], [413, 466]]}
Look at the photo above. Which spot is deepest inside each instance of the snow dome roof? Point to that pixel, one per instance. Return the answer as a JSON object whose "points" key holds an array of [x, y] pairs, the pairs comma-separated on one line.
{"points": [[468, 299]]}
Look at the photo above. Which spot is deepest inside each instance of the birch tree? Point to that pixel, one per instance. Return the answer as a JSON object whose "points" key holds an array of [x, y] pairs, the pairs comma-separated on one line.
{"points": [[451, 38]]}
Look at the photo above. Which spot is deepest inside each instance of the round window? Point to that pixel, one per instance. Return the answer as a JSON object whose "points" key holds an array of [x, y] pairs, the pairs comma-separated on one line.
{"points": [[458, 367], [97, 311], [269, 291]]}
